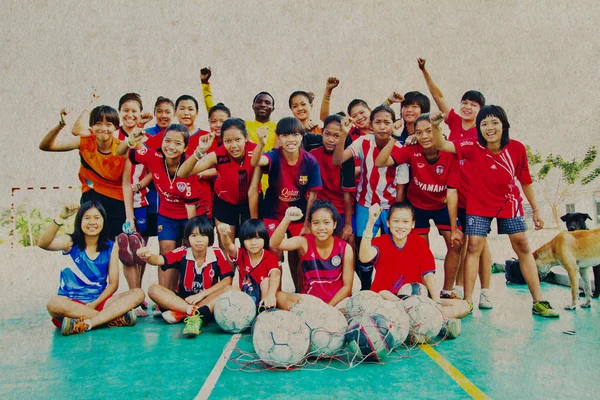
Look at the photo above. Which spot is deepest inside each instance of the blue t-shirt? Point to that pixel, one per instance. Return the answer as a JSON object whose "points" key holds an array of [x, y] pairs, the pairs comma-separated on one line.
{"points": [[153, 131], [84, 279]]}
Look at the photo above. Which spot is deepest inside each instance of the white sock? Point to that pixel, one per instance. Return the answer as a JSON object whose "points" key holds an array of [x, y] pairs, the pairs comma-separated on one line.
{"points": [[189, 310], [446, 291], [88, 322], [485, 291]]}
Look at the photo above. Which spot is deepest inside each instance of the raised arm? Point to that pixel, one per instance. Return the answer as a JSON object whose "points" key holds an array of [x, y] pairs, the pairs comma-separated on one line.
{"points": [[155, 259], [341, 154], [254, 192], [258, 159], [439, 141], [200, 161], [48, 239], [50, 142], [278, 241], [367, 252], [384, 158], [435, 91], [205, 74], [133, 141], [332, 83], [228, 245]]}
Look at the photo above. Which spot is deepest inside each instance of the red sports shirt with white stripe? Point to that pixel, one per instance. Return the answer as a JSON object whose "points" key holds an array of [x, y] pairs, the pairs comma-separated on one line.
{"points": [[376, 185], [494, 191], [138, 172], [429, 182]]}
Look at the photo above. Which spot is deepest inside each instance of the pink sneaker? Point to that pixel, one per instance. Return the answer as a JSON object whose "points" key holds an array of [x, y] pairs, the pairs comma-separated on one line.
{"points": [[136, 242], [124, 251]]}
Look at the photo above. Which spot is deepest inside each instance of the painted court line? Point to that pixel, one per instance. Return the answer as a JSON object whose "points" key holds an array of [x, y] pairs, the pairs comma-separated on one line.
{"points": [[212, 379], [455, 374]]}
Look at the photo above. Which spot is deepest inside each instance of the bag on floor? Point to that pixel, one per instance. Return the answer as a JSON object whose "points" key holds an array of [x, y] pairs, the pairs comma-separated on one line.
{"points": [[512, 272]]}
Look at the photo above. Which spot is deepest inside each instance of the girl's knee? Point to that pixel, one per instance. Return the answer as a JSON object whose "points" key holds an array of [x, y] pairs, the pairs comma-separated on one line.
{"points": [[154, 290]]}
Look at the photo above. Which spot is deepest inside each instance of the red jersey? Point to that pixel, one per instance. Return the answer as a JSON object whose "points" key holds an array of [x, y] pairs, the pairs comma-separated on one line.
{"points": [[233, 177], [376, 185], [429, 182], [454, 122], [138, 172], [323, 276], [173, 193], [268, 262], [154, 142], [396, 267], [193, 277], [494, 191], [336, 178]]}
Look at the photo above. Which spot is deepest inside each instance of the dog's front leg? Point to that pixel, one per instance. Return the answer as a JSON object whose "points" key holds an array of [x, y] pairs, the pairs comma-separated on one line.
{"points": [[586, 276], [572, 269]]}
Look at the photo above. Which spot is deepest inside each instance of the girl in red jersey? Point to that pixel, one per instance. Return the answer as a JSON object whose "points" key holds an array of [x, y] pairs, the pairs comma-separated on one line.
{"points": [[301, 104], [259, 270], [234, 172], [499, 162], [431, 190], [400, 258], [327, 261]]}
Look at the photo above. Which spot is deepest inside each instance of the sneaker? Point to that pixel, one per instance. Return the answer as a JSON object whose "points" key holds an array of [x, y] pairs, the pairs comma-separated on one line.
{"points": [[484, 301], [470, 307], [459, 292], [127, 319], [451, 329], [450, 295], [156, 311], [136, 242], [73, 325], [544, 309], [193, 324], [124, 251], [173, 317]]}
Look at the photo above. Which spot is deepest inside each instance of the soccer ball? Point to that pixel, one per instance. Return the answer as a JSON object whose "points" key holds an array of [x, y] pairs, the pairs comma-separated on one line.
{"points": [[309, 298], [412, 289], [234, 311], [363, 303], [368, 337], [426, 319], [280, 338], [327, 327], [398, 321]]}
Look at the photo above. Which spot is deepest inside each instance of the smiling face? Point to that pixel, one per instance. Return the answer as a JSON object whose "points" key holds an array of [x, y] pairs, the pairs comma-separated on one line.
{"points": [[164, 115], [92, 222], [424, 134], [197, 241], [130, 114], [382, 125], [491, 129], [410, 113], [173, 144], [331, 136], [401, 222], [186, 113], [301, 107], [322, 224], [360, 114], [216, 121], [234, 142], [263, 107], [469, 110], [103, 130], [254, 245]]}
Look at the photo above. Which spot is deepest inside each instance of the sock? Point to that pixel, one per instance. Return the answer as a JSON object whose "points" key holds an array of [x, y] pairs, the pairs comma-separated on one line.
{"points": [[485, 291], [207, 316], [191, 310], [365, 274], [446, 291], [88, 322]]}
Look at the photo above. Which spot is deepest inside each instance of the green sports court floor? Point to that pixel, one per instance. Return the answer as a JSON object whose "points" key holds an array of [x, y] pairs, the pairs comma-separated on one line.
{"points": [[504, 353]]}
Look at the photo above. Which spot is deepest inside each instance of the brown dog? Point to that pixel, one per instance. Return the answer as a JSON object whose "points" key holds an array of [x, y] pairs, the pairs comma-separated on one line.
{"points": [[576, 251]]}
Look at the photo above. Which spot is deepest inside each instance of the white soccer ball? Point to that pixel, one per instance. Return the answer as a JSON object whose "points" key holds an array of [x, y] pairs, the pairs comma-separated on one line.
{"points": [[327, 327], [363, 303], [398, 321], [413, 289], [280, 338], [368, 337], [234, 311], [309, 298], [426, 319]]}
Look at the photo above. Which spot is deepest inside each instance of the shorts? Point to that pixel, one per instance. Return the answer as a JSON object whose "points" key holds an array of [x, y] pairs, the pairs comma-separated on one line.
{"points": [[170, 228], [58, 323], [231, 214], [294, 228], [362, 217], [342, 221], [480, 226], [440, 217], [145, 221], [461, 214], [152, 198], [115, 210]]}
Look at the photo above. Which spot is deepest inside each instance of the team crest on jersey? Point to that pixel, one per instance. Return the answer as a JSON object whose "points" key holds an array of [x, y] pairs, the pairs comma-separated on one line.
{"points": [[462, 162], [493, 166], [142, 151], [211, 273], [272, 227], [336, 261], [303, 179], [420, 165], [181, 186], [439, 170]]}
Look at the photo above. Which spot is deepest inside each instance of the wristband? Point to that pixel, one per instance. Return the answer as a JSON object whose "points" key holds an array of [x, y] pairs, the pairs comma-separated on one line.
{"points": [[62, 123], [397, 137], [131, 146], [198, 154], [139, 186], [367, 235], [59, 221]]}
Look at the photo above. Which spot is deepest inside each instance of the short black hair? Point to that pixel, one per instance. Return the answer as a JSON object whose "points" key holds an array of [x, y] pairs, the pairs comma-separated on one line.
{"points": [[219, 107], [493, 111], [288, 126], [205, 228], [380, 108], [78, 237], [474, 95], [332, 118], [268, 94], [402, 205], [357, 102], [417, 98], [160, 100], [234, 123], [326, 205], [186, 97], [131, 97], [300, 93], [254, 228], [106, 113]]}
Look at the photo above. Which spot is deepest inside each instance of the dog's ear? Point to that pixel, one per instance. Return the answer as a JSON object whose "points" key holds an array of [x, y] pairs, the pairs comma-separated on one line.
{"points": [[587, 216], [564, 218]]}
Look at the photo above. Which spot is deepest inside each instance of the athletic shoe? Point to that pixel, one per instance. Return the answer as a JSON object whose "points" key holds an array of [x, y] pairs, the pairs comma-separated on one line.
{"points": [[73, 325], [156, 311], [173, 317], [470, 307], [124, 251], [450, 295], [193, 324], [484, 301], [459, 293], [127, 319], [544, 309], [451, 329], [136, 242]]}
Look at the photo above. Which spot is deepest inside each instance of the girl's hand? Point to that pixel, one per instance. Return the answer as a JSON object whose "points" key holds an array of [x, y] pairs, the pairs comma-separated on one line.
{"points": [[374, 212], [63, 113], [293, 214], [421, 62], [195, 298], [144, 119], [411, 140], [262, 133], [311, 125], [398, 127], [69, 210], [396, 97], [456, 236], [347, 123], [538, 222], [437, 118], [205, 74], [136, 137], [332, 83], [223, 229], [144, 253], [346, 233], [95, 97], [268, 301], [205, 143]]}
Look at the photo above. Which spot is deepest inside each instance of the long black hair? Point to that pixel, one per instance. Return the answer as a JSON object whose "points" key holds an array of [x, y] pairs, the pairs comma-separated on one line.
{"points": [[78, 237]]}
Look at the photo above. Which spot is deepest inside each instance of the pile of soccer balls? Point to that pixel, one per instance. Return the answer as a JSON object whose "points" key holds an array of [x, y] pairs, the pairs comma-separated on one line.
{"points": [[371, 329]]}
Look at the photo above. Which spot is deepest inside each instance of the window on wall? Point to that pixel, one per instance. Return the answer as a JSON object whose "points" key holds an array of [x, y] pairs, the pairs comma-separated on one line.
{"points": [[598, 213], [571, 208]]}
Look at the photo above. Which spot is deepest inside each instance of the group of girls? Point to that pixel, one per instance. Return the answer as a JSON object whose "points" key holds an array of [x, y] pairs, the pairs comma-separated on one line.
{"points": [[256, 181]]}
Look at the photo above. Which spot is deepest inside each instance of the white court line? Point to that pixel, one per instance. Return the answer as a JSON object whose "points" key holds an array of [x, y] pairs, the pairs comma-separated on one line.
{"points": [[212, 379]]}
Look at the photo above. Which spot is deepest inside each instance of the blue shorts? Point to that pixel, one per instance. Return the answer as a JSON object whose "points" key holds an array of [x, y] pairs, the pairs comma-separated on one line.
{"points": [[170, 228], [362, 217], [342, 222], [441, 218], [152, 198], [480, 226], [145, 222]]}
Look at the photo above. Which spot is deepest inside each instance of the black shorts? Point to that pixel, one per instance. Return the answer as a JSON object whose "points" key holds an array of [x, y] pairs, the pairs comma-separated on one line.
{"points": [[115, 210], [462, 217], [231, 214]]}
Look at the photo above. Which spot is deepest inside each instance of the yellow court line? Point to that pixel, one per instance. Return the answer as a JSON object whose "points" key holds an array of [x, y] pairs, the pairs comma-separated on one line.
{"points": [[455, 374]]}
